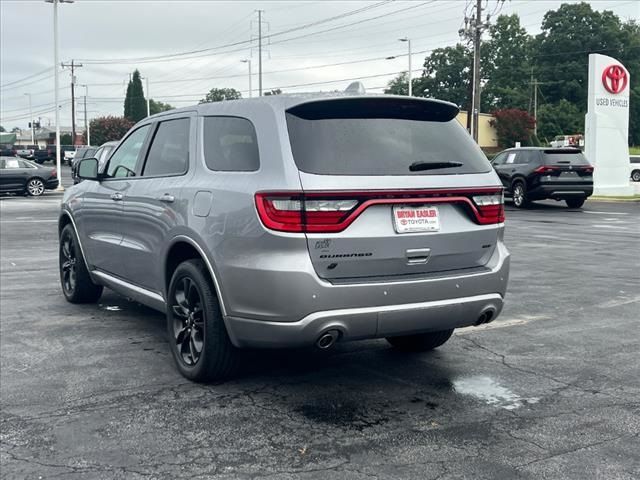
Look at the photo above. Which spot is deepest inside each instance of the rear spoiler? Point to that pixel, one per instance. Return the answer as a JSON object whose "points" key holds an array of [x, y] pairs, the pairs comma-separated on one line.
{"points": [[403, 108]]}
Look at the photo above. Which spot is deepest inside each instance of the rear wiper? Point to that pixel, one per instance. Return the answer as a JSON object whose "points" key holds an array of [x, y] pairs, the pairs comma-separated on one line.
{"points": [[418, 166]]}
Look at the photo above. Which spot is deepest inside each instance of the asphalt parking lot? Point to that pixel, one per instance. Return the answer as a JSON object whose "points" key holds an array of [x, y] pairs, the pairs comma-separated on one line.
{"points": [[550, 390]]}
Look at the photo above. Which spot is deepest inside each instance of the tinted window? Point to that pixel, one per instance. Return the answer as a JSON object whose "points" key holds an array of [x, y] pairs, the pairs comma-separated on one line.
{"points": [[127, 154], [230, 144], [499, 160], [169, 152], [380, 137], [526, 156], [572, 157]]}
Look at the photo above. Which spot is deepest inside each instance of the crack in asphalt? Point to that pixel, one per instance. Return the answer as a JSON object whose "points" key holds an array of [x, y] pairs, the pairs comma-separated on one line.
{"points": [[565, 385]]}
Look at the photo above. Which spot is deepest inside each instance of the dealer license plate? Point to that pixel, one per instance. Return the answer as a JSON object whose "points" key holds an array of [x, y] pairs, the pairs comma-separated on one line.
{"points": [[408, 219]]}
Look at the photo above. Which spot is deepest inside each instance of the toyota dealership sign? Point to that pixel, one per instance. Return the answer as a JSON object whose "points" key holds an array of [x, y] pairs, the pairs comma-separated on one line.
{"points": [[607, 125]]}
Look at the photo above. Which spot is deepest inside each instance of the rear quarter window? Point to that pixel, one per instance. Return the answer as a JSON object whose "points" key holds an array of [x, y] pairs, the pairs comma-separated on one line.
{"points": [[230, 144], [382, 136]]}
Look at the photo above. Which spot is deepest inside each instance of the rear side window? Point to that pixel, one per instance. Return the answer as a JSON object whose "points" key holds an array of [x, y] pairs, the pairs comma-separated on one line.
{"points": [[381, 137], [169, 151], [230, 144], [569, 157]]}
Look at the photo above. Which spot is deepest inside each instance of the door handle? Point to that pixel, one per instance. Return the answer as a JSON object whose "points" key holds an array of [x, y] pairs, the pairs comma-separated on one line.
{"points": [[116, 196], [167, 198]]}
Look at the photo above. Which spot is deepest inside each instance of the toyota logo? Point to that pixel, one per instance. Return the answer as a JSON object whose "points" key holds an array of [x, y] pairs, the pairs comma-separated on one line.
{"points": [[614, 78]]}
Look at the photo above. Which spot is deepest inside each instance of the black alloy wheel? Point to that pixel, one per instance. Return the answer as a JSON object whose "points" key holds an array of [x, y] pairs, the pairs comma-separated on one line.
{"points": [[188, 321]]}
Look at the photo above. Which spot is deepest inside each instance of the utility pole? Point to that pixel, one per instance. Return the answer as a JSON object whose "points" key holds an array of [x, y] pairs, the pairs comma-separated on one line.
{"points": [[73, 67], [260, 52], [146, 79], [86, 120], [535, 106], [31, 122]]}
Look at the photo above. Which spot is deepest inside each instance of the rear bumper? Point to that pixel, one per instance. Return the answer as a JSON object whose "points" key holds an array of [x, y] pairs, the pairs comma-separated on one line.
{"points": [[368, 322], [51, 184], [560, 191], [360, 311]]}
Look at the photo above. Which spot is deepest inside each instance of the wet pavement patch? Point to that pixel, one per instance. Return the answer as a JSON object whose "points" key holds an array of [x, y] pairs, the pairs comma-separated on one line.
{"points": [[342, 413], [491, 392]]}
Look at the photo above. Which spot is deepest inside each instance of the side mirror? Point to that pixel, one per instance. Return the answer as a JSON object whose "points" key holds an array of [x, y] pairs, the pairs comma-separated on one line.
{"points": [[88, 169]]}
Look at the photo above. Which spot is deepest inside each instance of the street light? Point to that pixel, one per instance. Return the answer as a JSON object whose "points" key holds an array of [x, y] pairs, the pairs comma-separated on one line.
{"points": [[405, 39], [248, 61], [31, 119], [56, 85]]}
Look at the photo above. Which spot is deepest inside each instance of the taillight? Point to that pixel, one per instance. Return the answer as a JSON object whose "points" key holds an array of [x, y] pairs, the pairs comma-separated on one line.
{"points": [[330, 212], [54, 173], [588, 169], [296, 213], [546, 169], [490, 208]]}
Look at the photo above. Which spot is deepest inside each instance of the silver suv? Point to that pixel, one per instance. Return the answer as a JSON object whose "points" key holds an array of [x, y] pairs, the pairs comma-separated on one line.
{"points": [[288, 221]]}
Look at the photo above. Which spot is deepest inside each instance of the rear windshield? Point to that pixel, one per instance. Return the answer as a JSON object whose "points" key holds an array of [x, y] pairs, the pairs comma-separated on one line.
{"points": [[381, 137], [569, 157]]}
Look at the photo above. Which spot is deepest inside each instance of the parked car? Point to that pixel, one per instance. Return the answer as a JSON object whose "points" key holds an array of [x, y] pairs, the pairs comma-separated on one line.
{"points": [[292, 221], [104, 152], [65, 153], [634, 163], [532, 173], [7, 151], [41, 156], [82, 152], [26, 152], [22, 176]]}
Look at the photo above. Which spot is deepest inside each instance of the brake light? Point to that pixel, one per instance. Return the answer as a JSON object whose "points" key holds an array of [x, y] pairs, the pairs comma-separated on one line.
{"points": [[54, 173], [330, 212], [588, 169], [490, 208], [546, 169]]}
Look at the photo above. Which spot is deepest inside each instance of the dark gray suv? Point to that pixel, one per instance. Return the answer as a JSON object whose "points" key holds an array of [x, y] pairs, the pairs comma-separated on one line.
{"points": [[289, 221]]}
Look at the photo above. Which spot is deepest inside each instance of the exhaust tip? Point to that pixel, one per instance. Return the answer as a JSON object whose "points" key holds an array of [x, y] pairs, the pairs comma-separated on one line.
{"points": [[327, 339], [485, 317]]}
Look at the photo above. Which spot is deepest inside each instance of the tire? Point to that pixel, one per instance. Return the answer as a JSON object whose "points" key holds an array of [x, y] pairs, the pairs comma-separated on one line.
{"points": [[422, 342], [75, 281], [635, 175], [575, 202], [35, 187], [519, 192], [193, 319]]}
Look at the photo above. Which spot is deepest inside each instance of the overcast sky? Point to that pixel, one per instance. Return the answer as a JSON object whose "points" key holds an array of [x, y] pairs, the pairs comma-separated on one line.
{"points": [[112, 38]]}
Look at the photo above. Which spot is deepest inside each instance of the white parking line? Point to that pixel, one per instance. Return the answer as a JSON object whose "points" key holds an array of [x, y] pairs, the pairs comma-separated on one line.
{"points": [[605, 213]]}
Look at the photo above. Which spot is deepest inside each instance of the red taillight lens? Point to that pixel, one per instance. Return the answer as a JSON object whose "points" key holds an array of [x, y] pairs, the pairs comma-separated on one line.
{"points": [[545, 169], [296, 213], [490, 208], [588, 169], [330, 212], [54, 173]]}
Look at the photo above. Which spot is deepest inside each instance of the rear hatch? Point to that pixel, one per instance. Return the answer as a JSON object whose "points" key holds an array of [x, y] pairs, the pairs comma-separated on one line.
{"points": [[391, 187], [564, 166]]}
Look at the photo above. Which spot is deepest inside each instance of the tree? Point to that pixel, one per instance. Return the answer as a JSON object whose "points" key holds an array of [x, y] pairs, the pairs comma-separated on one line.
{"points": [[16, 130], [221, 94], [399, 85], [106, 129], [506, 64], [157, 106], [561, 118], [135, 105], [65, 139], [2, 130], [513, 125]]}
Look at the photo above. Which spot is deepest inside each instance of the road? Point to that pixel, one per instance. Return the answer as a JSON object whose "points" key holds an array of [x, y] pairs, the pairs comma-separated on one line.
{"points": [[550, 390]]}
